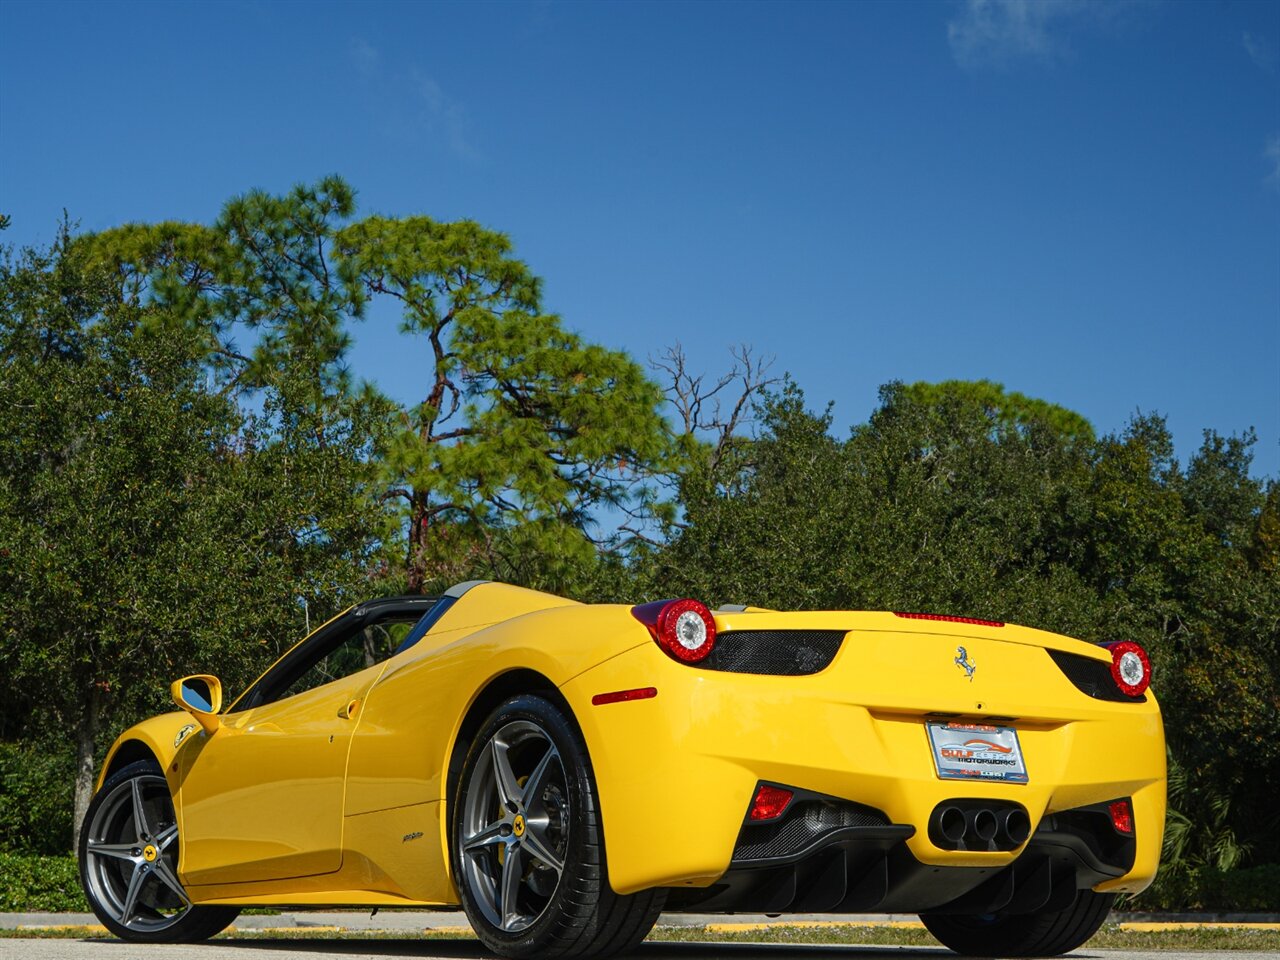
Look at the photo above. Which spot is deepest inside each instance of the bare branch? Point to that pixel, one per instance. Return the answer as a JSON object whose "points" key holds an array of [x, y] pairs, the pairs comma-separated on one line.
{"points": [[704, 408], [637, 535], [451, 435]]}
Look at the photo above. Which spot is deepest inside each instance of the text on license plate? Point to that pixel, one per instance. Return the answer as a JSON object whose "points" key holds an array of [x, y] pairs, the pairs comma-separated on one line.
{"points": [[976, 751]]}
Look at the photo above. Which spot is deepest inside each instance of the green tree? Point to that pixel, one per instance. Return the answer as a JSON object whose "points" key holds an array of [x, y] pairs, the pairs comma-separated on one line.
{"points": [[149, 526], [937, 500], [524, 430]]}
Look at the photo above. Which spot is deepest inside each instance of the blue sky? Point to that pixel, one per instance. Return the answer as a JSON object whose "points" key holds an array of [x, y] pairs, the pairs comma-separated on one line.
{"points": [[1079, 200]]}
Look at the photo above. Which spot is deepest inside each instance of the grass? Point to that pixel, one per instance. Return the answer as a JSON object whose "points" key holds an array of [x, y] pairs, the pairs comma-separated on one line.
{"points": [[1110, 936]]}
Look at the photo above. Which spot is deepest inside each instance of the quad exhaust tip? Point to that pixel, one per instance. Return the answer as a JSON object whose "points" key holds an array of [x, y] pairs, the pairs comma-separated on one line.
{"points": [[979, 825]]}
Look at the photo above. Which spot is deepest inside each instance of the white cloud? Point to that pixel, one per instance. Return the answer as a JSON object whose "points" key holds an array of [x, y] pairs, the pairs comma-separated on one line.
{"points": [[365, 56], [413, 99], [998, 32], [1272, 153], [445, 115], [1260, 52]]}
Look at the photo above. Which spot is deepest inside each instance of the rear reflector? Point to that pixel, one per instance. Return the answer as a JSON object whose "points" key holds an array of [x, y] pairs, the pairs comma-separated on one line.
{"points": [[769, 802], [1122, 817], [946, 619], [622, 696]]}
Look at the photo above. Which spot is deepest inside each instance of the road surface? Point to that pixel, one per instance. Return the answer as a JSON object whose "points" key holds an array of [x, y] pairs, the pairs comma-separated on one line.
{"points": [[296, 949]]}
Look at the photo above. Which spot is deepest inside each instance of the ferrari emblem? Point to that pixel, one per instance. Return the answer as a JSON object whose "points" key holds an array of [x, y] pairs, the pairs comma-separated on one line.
{"points": [[518, 826], [150, 853], [182, 734], [964, 663]]}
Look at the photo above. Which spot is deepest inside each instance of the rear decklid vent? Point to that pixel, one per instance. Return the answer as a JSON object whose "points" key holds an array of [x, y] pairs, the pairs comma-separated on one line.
{"points": [[1092, 677], [778, 653]]}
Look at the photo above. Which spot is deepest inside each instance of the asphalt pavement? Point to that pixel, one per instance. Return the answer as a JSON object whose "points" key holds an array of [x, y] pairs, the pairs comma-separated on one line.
{"points": [[275, 941], [284, 949]]}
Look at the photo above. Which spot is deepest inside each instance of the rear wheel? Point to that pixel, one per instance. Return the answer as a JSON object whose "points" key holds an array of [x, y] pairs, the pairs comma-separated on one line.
{"points": [[1023, 935], [129, 863], [528, 847]]}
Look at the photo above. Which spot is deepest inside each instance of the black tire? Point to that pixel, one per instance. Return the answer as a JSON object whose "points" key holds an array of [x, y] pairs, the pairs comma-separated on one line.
{"points": [[1023, 935], [575, 915], [129, 863]]}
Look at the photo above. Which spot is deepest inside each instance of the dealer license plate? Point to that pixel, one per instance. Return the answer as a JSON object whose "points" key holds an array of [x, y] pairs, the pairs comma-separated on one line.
{"points": [[976, 751]]}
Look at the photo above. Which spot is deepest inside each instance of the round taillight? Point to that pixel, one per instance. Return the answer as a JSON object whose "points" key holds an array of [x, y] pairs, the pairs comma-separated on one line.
{"points": [[685, 629], [1130, 668]]}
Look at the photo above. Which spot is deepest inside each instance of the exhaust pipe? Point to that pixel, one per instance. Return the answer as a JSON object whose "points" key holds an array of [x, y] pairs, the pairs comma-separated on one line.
{"points": [[979, 825], [1015, 826], [982, 825], [951, 824]]}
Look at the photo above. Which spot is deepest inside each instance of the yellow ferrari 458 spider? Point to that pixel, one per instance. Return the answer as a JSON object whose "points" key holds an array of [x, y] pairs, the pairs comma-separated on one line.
{"points": [[565, 772]]}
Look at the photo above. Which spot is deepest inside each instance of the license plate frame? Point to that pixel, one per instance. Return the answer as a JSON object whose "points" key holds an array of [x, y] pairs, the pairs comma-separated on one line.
{"points": [[976, 751]]}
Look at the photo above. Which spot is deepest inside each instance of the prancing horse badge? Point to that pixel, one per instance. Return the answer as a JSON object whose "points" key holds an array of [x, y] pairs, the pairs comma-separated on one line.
{"points": [[964, 663]]}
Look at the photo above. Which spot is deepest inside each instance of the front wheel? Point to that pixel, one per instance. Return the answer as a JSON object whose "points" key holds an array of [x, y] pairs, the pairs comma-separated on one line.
{"points": [[527, 843], [129, 863], [1023, 935]]}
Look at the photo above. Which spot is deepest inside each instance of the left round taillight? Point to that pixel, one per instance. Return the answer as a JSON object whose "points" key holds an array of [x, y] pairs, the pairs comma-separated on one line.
{"points": [[684, 629], [1130, 668]]}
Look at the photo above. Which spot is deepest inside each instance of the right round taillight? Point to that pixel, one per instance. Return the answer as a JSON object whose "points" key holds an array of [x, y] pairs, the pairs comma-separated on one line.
{"points": [[1130, 668], [685, 629]]}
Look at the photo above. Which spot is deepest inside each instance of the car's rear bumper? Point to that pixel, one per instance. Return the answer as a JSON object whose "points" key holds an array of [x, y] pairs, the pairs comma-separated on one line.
{"points": [[676, 773], [828, 856]]}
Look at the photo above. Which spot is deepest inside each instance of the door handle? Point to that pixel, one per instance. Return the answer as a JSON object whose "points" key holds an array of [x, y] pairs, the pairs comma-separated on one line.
{"points": [[349, 711]]}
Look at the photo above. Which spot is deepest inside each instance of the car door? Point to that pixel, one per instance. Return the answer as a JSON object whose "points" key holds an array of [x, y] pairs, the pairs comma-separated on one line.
{"points": [[261, 799]]}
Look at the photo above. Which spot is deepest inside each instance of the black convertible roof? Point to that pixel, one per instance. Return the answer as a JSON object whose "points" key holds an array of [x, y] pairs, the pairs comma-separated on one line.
{"points": [[408, 602]]}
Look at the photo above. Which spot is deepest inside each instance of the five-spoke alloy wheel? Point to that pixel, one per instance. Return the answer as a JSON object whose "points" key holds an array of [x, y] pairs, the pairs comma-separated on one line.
{"points": [[528, 846], [515, 825], [129, 862]]}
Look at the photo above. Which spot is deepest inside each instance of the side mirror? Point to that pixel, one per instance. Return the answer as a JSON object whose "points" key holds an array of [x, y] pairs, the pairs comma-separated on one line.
{"points": [[200, 696]]}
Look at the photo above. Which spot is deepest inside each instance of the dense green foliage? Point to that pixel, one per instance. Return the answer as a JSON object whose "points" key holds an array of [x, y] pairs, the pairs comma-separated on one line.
{"points": [[36, 802], [149, 525], [1198, 889], [33, 883], [188, 472]]}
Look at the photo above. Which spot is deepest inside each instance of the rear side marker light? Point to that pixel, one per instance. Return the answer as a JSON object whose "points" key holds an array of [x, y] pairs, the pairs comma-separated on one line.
{"points": [[684, 629], [946, 619], [1130, 667], [769, 803], [1122, 817], [622, 696]]}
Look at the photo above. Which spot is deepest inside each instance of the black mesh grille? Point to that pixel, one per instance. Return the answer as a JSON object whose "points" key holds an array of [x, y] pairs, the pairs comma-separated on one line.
{"points": [[780, 653], [806, 821], [1092, 677]]}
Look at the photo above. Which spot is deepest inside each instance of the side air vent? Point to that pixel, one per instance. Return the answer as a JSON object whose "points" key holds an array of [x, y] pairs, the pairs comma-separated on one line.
{"points": [[778, 653], [1092, 677]]}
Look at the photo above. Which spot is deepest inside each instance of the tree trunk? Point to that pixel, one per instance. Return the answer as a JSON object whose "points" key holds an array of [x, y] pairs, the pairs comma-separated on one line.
{"points": [[86, 748], [415, 561]]}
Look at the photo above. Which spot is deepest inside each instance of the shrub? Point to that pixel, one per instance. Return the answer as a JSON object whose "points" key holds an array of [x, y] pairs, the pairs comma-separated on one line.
{"points": [[1204, 888], [36, 802], [40, 883]]}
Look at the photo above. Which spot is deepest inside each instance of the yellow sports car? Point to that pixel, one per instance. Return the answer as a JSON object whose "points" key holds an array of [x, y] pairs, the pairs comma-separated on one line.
{"points": [[565, 772]]}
